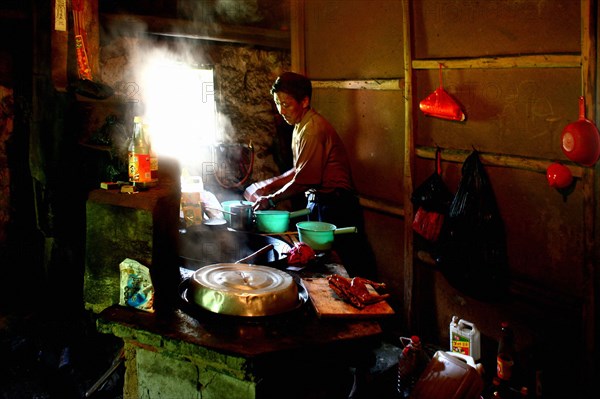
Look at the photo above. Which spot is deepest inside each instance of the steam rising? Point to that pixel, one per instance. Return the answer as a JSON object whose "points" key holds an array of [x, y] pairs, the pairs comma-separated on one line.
{"points": [[179, 105]]}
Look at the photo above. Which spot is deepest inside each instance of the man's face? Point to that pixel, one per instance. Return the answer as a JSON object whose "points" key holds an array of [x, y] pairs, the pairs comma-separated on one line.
{"points": [[291, 110]]}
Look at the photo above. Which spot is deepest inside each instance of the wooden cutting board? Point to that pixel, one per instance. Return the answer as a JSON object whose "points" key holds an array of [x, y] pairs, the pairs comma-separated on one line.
{"points": [[328, 304]]}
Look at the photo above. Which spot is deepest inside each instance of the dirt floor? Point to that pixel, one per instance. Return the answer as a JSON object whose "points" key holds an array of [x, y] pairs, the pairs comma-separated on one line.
{"points": [[48, 355]]}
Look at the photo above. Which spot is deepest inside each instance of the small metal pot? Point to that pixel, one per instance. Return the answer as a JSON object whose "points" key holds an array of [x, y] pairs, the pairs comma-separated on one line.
{"points": [[226, 205], [241, 217]]}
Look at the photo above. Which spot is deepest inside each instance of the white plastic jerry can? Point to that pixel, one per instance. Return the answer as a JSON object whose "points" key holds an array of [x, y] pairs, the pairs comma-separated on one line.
{"points": [[465, 338]]}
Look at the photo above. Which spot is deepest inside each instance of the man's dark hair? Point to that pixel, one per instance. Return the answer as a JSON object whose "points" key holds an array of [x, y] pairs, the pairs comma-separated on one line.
{"points": [[294, 84]]}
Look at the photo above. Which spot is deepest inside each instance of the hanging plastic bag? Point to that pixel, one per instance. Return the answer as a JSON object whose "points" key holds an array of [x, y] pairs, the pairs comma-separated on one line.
{"points": [[473, 255], [432, 200]]}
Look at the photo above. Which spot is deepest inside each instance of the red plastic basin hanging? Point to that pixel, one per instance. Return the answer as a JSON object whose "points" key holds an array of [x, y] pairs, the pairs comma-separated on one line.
{"points": [[581, 139], [440, 104]]}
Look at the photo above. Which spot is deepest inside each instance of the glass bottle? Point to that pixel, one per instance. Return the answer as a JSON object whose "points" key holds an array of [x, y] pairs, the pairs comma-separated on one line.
{"points": [[495, 389], [505, 360], [139, 155], [412, 362], [153, 155]]}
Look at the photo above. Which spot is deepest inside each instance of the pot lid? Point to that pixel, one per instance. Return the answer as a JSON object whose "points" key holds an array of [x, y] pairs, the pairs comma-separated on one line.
{"points": [[244, 290], [242, 278]]}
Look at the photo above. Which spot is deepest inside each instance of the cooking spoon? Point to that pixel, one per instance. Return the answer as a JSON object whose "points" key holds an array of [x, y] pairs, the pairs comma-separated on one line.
{"points": [[220, 210], [253, 255]]}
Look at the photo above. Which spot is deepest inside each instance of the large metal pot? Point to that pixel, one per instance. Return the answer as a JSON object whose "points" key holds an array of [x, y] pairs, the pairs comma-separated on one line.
{"points": [[320, 235], [274, 221], [238, 289]]}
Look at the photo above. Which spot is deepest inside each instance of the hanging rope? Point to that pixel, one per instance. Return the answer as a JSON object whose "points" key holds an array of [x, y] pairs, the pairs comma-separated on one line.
{"points": [[244, 167]]}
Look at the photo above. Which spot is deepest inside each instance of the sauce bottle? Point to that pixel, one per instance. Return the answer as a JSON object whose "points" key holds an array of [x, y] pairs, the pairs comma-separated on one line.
{"points": [[505, 360], [153, 155], [139, 156]]}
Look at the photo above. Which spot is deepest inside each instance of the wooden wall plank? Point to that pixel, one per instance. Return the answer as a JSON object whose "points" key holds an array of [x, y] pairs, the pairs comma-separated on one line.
{"points": [[525, 61], [298, 36], [409, 277]]}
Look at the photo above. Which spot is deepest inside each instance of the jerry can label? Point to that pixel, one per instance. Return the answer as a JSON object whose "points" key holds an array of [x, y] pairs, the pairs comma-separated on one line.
{"points": [[461, 344]]}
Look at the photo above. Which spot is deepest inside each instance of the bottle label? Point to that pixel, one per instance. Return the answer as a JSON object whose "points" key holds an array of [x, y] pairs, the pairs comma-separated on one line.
{"points": [[139, 168], [153, 167], [504, 366]]}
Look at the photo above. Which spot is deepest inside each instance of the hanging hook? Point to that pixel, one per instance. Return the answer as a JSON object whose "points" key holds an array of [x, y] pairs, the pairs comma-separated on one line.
{"points": [[438, 160]]}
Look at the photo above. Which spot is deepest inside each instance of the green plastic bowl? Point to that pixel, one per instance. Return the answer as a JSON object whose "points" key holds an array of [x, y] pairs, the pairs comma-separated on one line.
{"points": [[272, 221], [319, 235]]}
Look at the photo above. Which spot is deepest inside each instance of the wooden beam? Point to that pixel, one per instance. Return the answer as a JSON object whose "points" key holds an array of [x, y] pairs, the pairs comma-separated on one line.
{"points": [[298, 46], [525, 61], [591, 276], [379, 84], [487, 158], [191, 30], [410, 309]]}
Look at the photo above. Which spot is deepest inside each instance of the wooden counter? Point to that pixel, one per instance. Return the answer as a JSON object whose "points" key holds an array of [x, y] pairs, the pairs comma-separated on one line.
{"points": [[299, 329], [184, 354], [189, 352]]}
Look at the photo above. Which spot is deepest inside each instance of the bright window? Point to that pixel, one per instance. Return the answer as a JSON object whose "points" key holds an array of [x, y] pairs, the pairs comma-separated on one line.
{"points": [[180, 109]]}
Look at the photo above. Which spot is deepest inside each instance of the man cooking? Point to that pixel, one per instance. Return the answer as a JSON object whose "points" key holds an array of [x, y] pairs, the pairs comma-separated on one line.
{"points": [[321, 170]]}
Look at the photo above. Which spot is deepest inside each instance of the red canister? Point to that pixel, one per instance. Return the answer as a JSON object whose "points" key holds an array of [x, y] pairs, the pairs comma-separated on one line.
{"points": [[559, 175]]}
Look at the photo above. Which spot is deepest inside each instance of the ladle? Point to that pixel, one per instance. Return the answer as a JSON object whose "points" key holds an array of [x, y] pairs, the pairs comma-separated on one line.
{"points": [[581, 139], [253, 255], [219, 210]]}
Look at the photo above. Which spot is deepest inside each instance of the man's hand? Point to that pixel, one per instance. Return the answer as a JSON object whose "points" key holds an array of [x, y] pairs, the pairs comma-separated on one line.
{"points": [[251, 192], [261, 203]]}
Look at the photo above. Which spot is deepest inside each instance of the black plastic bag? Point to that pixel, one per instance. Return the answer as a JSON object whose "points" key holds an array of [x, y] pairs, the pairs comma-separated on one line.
{"points": [[473, 254], [432, 200]]}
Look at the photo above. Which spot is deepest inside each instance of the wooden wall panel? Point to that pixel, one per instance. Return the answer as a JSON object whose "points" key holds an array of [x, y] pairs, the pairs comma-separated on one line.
{"points": [[509, 111], [516, 110], [554, 317], [544, 232], [450, 28], [353, 39], [372, 131], [386, 235]]}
